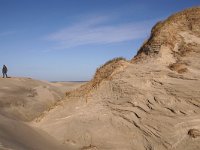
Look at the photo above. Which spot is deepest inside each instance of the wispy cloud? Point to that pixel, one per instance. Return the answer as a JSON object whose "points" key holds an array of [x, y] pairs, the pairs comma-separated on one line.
{"points": [[6, 33], [99, 30]]}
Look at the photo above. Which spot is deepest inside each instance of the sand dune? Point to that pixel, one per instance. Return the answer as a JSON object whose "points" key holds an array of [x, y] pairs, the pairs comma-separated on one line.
{"points": [[18, 135], [23, 100], [149, 103], [152, 102]]}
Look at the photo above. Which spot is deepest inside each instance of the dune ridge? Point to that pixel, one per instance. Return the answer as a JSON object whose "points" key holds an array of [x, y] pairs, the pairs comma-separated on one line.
{"points": [[151, 102]]}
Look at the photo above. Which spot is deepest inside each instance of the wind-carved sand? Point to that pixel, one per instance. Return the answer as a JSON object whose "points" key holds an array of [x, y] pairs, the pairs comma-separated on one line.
{"points": [[149, 103], [21, 101]]}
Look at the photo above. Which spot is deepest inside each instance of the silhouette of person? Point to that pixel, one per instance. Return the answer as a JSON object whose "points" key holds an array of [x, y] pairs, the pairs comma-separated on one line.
{"points": [[4, 71]]}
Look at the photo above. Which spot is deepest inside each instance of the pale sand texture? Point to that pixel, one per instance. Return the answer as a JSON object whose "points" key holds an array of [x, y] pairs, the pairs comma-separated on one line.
{"points": [[149, 103], [152, 103], [22, 100]]}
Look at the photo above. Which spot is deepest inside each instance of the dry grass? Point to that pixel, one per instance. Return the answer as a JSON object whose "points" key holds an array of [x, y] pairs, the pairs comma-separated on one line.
{"points": [[114, 60], [178, 67], [104, 72], [166, 33]]}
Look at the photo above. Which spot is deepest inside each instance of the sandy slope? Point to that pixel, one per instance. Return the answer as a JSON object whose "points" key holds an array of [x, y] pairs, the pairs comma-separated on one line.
{"points": [[139, 109], [16, 135], [22, 100], [151, 103]]}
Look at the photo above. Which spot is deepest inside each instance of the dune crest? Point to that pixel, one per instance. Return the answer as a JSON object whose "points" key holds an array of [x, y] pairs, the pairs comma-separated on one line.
{"points": [[151, 102]]}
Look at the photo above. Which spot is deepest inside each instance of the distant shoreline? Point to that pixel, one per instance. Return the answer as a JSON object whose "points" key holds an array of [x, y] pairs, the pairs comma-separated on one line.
{"points": [[67, 81]]}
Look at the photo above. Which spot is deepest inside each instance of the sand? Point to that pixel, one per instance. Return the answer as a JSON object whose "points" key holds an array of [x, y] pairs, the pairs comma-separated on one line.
{"points": [[21, 101], [149, 103]]}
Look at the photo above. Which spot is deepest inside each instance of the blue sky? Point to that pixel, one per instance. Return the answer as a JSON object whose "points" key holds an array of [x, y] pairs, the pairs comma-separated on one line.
{"points": [[66, 40]]}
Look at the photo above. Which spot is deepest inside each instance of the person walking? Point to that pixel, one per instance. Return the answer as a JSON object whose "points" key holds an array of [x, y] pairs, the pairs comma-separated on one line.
{"points": [[4, 71]]}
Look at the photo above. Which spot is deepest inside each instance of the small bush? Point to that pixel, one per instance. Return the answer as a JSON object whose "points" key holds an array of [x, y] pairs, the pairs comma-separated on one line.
{"points": [[178, 67]]}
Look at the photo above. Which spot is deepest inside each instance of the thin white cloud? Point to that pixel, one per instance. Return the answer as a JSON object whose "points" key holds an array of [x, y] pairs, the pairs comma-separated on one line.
{"points": [[6, 33], [99, 31]]}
